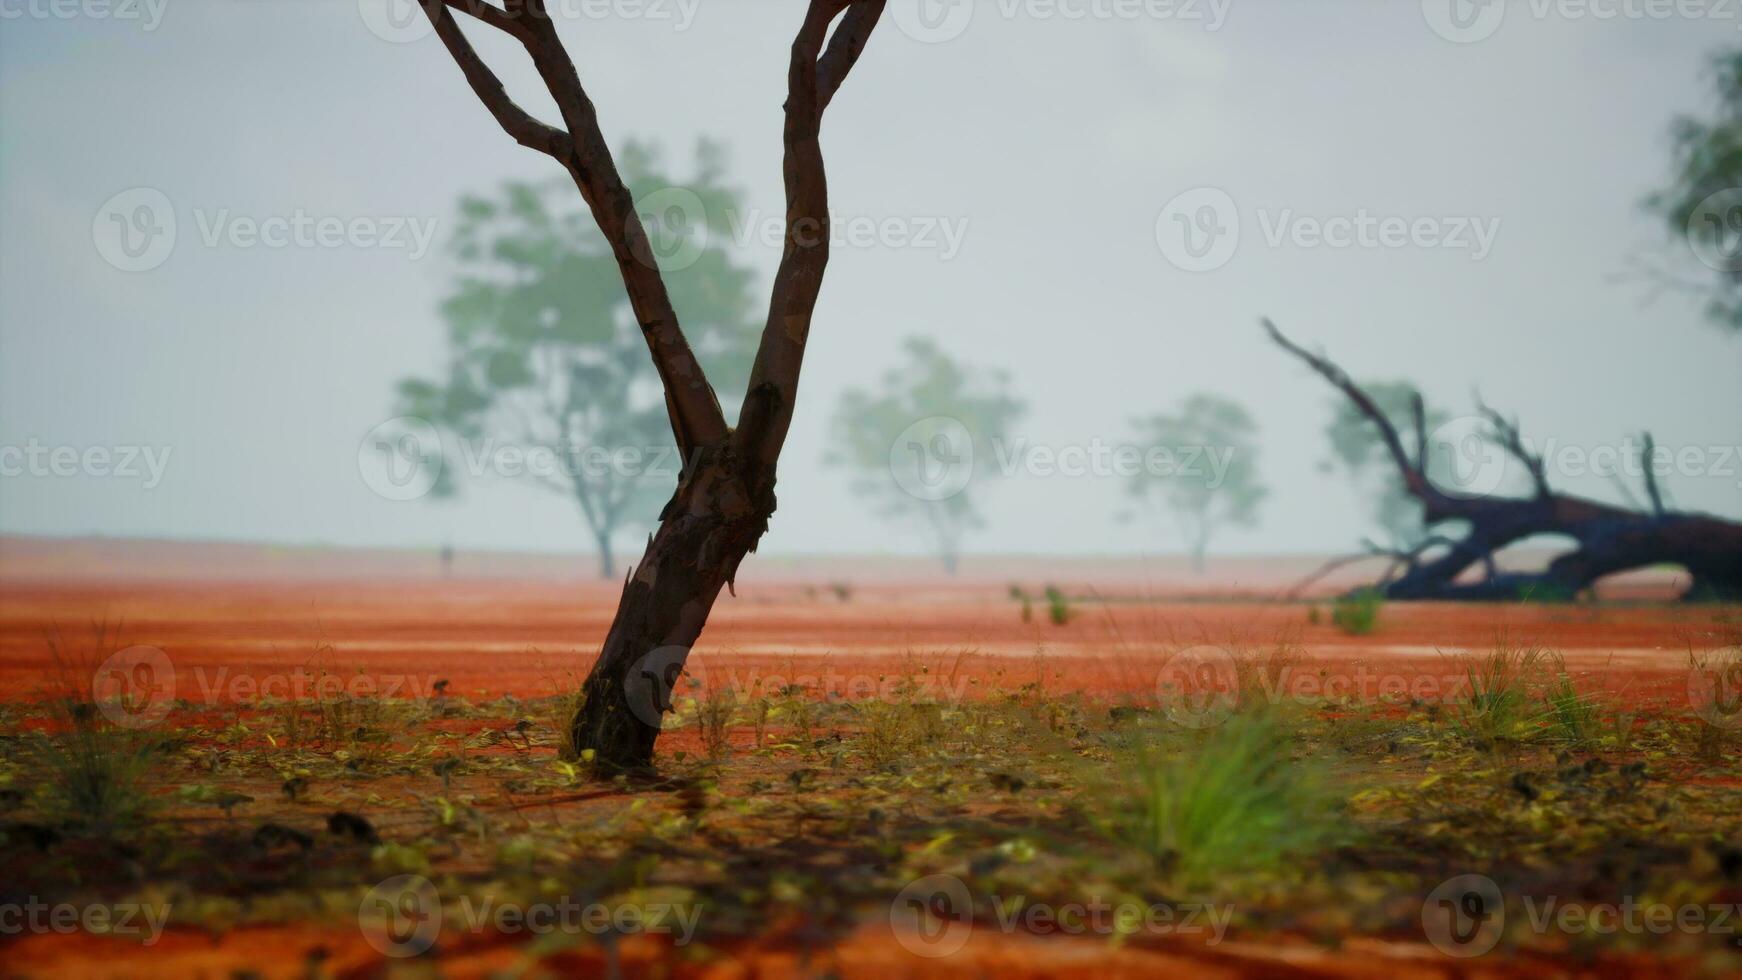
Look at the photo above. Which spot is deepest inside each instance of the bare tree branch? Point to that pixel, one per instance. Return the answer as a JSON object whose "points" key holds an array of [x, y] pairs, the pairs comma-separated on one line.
{"points": [[515, 121], [1509, 437], [1414, 474], [773, 390], [1647, 454], [696, 418], [509, 23]]}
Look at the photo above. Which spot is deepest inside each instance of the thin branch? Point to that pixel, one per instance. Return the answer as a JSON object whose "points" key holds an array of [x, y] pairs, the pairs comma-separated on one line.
{"points": [[515, 121], [1512, 440], [1647, 455], [812, 80], [509, 23], [1414, 474], [694, 409]]}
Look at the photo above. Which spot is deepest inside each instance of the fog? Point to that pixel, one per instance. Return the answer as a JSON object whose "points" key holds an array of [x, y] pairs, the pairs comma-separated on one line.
{"points": [[1459, 213]]}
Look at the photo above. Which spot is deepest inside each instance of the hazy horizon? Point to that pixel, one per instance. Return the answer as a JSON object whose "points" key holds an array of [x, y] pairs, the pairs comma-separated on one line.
{"points": [[1036, 164]]}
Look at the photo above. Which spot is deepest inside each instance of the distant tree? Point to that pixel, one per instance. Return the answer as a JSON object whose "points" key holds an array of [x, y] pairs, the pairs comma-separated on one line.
{"points": [[1704, 200], [1208, 478], [1358, 451], [545, 358], [914, 446]]}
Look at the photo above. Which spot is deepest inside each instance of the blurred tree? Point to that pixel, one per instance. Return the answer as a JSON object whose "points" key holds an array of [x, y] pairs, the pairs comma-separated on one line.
{"points": [[1209, 477], [1357, 448], [548, 378], [1704, 200], [914, 446]]}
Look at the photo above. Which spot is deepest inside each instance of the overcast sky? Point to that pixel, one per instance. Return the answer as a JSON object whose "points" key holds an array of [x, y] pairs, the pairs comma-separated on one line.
{"points": [[1516, 152]]}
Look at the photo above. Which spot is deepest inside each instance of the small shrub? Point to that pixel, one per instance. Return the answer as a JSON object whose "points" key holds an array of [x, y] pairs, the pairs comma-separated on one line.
{"points": [[1357, 613], [1494, 706], [1239, 802], [1572, 717], [714, 718], [1058, 606]]}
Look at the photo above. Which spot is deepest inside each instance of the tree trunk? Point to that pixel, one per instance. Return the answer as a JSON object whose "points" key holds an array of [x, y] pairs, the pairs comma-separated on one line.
{"points": [[1610, 539], [607, 560], [714, 520]]}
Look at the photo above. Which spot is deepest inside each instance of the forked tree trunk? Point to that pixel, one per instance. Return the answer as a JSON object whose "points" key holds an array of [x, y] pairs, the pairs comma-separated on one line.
{"points": [[711, 523], [726, 493]]}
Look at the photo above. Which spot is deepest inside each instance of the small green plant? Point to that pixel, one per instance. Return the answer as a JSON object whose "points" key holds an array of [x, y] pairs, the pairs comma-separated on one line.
{"points": [[1058, 606], [1495, 701], [95, 770], [714, 710], [1238, 802], [1572, 717], [1357, 613]]}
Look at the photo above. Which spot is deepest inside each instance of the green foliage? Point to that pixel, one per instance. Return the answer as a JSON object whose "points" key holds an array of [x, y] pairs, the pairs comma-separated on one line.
{"points": [[1707, 160], [1357, 613], [1238, 802], [1212, 479], [1495, 707], [545, 356], [959, 403], [1572, 717], [1058, 606]]}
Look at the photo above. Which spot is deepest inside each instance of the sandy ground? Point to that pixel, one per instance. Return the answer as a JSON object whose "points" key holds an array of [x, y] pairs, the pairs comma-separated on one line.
{"points": [[236, 623]]}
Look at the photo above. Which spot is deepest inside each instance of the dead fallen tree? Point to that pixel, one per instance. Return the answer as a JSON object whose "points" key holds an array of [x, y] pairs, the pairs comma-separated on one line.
{"points": [[1609, 539]]}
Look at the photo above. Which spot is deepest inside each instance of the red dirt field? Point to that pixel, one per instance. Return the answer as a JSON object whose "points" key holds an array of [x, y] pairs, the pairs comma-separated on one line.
{"points": [[401, 630]]}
